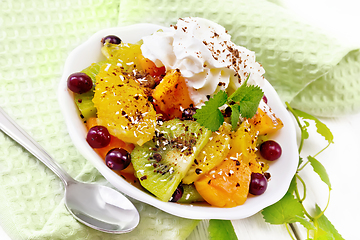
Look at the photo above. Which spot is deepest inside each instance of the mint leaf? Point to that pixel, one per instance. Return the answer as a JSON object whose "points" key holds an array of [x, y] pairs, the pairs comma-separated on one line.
{"points": [[326, 225], [209, 115], [320, 170], [235, 115], [248, 98], [287, 210], [321, 128], [239, 94], [221, 230]]}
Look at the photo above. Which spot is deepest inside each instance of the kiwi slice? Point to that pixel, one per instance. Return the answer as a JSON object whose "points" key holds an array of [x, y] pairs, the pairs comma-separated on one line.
{"points": [[190, 194], [84, 101], [93, 70], [85, 104], [161, 163]]}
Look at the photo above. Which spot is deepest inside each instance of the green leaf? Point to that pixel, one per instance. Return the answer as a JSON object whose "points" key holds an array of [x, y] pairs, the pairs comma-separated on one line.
{"points": [[321, 128], [293, 185], [326, 225], [209, 115], [250, 103], [322, 235], [221, 230], [235, 115], [287, 210], [305, 222], [301, 160], [320, 170], [305, 133], [248, 98], [239, 94]]}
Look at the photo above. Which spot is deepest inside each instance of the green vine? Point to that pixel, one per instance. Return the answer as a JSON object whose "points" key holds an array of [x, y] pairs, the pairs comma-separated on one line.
{"points": [[290, 209]]}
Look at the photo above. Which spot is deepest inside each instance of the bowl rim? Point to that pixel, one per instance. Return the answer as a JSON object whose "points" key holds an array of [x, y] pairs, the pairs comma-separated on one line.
{"points": [[81, 58]]}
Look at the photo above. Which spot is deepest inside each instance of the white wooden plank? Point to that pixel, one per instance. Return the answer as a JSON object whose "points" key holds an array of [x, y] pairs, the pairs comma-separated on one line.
{"points": [[255, 228]]}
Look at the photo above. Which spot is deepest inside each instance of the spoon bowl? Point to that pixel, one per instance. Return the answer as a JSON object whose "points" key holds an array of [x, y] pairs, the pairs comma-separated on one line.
{"points": [[97, 206], [113, 212]]}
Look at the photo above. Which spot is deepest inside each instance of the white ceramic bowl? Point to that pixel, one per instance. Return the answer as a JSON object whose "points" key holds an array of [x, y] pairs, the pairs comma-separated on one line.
{"points": [[281, 170]]}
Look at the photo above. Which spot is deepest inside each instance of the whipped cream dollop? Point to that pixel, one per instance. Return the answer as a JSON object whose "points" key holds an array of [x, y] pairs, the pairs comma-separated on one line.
{"points": [[206, 57]]}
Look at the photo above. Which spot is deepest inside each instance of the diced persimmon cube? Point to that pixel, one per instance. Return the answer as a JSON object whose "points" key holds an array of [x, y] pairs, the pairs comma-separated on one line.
{"points": [[150, 67], [114, 143], [266, 122], [226, 185], [91, 122], [172, 95]]}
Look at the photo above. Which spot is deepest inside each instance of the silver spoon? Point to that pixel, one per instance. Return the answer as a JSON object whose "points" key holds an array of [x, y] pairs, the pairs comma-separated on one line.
{"points": [[94, 205]]}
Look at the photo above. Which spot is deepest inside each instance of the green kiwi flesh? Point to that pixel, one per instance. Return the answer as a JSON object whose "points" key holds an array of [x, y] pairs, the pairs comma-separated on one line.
{"points": [[84, 101], [161, 163], [190, 194], [85, 104]]}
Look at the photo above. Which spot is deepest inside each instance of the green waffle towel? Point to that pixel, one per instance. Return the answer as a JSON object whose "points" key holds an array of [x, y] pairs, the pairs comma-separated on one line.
{"points": [[313, 71], [316, 73]]}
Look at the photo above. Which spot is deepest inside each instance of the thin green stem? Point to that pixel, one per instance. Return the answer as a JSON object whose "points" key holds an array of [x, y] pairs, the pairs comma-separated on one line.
{"points": [[304, 186], [297, 191], [306, 163], [290, 233], [302, 167], [299, 123], [323, 211], [300, 199], [322, 150]]}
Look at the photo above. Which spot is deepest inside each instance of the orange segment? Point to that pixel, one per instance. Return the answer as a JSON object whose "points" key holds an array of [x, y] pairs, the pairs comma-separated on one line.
{"points": [[244, 140], [123, 106], [255, 166]]}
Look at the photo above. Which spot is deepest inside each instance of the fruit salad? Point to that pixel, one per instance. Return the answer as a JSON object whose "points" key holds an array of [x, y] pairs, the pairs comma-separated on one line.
{"points": [[178, 114]]}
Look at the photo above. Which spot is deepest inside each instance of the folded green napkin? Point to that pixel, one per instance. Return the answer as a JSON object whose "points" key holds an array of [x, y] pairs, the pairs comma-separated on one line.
{"points": [[310, 69], [314, 72]]}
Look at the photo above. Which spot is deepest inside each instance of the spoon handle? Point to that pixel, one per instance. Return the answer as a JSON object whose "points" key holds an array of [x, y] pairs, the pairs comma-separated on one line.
{"points": [[9, 127]]}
